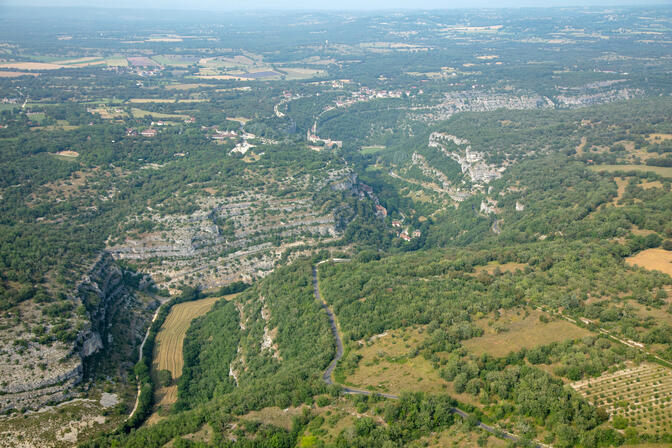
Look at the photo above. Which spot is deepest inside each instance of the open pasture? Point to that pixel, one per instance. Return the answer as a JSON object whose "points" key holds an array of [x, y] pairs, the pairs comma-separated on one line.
{"points": [[642, 395], [512, 332], [386, 364]]}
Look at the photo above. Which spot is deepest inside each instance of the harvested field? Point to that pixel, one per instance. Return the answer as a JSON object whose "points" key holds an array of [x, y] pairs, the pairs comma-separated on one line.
{"points": [[225, 77], [140, 113], [168, 350], [13, 74], [662, 171], [169, 343], [640, 394], [512, 332], [653, 259], [165, 100], [188, 86], [30, 65], [151, 100]]}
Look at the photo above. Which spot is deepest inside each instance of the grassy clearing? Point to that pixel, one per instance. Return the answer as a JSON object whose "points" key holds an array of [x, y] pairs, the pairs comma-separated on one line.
{"points": [[274, 416], [652, 184], [457, 436], [658, 314], [491, 267], [621, 185], [512, 332], [301, 73], [172, 60], [652, 259], [658, 138], [662, 171], [642, 395], [140, 113], [119, 61], [241, 120], [373, 149], [386, 365]]}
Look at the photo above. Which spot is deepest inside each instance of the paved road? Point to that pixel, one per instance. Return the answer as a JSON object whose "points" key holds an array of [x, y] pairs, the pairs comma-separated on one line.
{"points": [[353, 391]]}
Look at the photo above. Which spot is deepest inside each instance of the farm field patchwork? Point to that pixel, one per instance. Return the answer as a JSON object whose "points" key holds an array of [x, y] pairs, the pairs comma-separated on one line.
{"points": [[638, 396]]}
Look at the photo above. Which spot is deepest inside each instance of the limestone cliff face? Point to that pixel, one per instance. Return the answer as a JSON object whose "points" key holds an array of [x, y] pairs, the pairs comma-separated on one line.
{"points": [[103, 293], [61, 366]]}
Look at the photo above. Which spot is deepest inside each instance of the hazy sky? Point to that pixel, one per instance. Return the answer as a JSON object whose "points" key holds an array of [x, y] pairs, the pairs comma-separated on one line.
{"points": [[323, 4]]}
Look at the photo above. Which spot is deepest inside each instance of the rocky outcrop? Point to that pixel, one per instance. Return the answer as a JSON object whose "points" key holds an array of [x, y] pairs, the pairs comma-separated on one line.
{"points": [[39, 373]]}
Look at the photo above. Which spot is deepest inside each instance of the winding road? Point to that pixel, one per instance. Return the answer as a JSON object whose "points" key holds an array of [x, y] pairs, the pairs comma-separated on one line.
{"points": [[327, 375]]}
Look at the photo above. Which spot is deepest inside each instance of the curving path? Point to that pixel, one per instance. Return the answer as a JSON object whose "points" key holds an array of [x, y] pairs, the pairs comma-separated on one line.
{"points": [[326, 376], [142, 346]]}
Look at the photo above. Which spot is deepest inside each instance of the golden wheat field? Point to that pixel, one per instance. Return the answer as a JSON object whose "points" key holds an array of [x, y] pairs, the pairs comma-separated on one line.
{"points": [[168, 348], [169, 341], [653, 259]]}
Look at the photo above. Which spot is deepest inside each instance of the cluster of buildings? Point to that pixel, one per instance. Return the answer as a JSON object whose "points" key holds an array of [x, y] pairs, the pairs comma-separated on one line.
{"points": [[243, 145], [367, 94], [479, 101], [381, 212], [149, 132], [404, 233], [328, 143]]}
